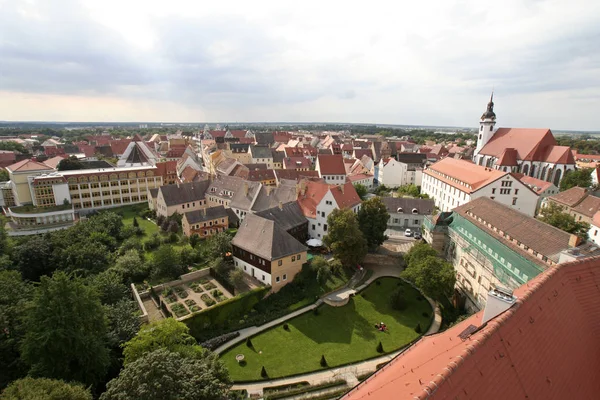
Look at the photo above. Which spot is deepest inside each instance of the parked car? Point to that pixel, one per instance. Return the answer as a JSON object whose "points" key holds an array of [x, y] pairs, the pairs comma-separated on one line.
{"points": [[408, 233], [417, 236]]}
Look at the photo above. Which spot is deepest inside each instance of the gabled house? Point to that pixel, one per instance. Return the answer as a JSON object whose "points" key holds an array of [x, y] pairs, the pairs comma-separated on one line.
{"points": [[261, 155], [578, 202], [318, 199], [266, 252], [180, 198], [406, 212], [205, 222], [331, 168]]}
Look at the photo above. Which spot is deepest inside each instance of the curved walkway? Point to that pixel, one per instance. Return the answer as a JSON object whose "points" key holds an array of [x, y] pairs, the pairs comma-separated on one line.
{"points": [[348, 372]]}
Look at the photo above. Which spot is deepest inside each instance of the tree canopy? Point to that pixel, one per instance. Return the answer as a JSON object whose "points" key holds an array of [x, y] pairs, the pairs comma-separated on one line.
{"points": [[70, 164], [361, 190], [372, 220], [66, 331], [45, 389], [581, 177], [419, 251], [345, 238], [164, 375], [554, 215], [430, 273], [165, 334]]}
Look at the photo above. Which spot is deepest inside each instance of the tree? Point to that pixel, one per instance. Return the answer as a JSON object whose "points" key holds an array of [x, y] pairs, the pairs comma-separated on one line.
{"points": [[131, 266], [14, 295], [135, 222], [33, 257], [236, 277], [187, 256], [66, 331], [123, 322], [434, 276], [220, 265], [361, 190], [581, 177], [323, 274], [4, 175], [218, 245], [372, 220], [194, 240], [344, 237], [554, 215], [110, 287], [166, 375], [409, 190], [70, 164], [166, 263], [165, 334], [419, 251], [45, 389]]}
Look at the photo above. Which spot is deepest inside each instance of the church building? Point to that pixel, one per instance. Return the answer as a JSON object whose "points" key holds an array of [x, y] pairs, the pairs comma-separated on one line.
{"points": [[532, 152]]}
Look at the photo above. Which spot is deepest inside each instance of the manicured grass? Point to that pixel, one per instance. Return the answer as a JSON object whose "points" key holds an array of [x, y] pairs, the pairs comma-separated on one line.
{"points": [[128, 212], [314, 291], [342, 334]]}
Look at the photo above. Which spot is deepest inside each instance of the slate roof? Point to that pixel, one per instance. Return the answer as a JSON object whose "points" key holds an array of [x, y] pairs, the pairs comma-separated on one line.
{"points": [[411, 158], [266, 239], [528, 352], [260, 152], [184, 192], [264, 138], [292, 174], [225, 183], [288, 216], [206, 214], [423, 206]]}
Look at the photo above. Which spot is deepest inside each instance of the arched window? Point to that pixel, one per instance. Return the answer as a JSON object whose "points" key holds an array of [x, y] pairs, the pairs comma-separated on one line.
{"points": [[532, 171], [526, 169], [543, 174], [399, 210], [557, 176], [549, 175], [415, 211]]}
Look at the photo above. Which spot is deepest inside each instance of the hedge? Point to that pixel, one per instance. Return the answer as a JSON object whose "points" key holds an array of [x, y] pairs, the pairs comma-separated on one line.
{"points": [[309, 389], [221, 315]]}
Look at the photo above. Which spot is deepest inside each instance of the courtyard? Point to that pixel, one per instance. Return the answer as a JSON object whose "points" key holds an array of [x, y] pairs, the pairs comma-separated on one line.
{"points": [[341, 335]]}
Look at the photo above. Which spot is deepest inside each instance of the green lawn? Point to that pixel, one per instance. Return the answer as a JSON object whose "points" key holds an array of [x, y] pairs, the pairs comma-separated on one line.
{"points": [[128, 212], [343, 334]]}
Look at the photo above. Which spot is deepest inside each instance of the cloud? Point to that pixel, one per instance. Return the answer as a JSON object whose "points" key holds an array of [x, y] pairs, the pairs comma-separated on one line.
{"points": [[381, 62]]}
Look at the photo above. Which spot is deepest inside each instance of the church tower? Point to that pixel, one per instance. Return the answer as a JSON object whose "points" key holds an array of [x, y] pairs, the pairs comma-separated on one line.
{"points": [[486, 126]]}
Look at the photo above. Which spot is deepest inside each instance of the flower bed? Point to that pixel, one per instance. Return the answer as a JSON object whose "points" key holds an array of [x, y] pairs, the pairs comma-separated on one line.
{"points": [[181, 292], [195, 286], [209, 286], [207, 300], [179, 310]]}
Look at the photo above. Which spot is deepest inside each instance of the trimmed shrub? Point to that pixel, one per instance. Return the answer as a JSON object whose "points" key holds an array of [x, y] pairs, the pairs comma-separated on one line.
{"points": [[426, 314], [316, 311], [213, 343], [418, 328], [378, 282], [323, 361], [249, 343], [286, 327], [263, 372], [380, 347]]}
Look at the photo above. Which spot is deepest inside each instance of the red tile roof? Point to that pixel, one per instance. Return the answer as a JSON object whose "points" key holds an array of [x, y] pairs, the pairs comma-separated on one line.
{"points": [[166, 168], [296, 163], [310, 196], [331, 164], [543, 347], [586, 157], [570, 197], [345, 195], [508, 158], [471, 177], [28, 165], [596, 219], [118, 147], [537, 185], [259, 175], [358, 153]]}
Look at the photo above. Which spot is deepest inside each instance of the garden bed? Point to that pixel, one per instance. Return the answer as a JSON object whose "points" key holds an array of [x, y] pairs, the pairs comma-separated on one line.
{"points": [[209, 286], [179, 310], [207, 300]]}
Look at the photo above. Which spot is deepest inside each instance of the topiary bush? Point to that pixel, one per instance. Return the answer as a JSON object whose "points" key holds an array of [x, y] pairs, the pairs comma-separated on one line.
{"points": [[249, 343], [263, 372], [323, 361], [380, 347], [418, 328], [316, 311], [286, 327]]}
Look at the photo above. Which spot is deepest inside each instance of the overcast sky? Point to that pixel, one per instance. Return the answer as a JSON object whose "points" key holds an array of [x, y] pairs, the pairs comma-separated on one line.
{"points": [[430, 62]]}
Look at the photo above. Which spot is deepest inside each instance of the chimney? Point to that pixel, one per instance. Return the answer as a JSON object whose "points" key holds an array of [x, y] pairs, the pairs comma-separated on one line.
{"points": [[245, 188], [280, 205], [498, 300], [574, 241]]}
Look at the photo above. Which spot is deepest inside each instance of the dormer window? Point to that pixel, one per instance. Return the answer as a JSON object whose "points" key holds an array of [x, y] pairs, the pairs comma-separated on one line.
{"points": [[399, 209], [415, 211]]}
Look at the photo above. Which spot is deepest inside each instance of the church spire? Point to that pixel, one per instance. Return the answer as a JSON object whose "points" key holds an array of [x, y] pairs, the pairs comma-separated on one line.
{"points": [[489, 113]]}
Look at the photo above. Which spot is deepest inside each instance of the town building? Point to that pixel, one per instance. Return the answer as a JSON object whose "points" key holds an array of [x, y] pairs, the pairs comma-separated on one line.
{"points": [[522, 346], [493, 245], [274, 259], [542, 188], [261, 155], [331, 168], [451, 183], [290, 218], [362, 179], [205, 222], [179, 198], [255, 196], [532, 152], [406, 212], [593, 234], [578, 202], [318, 199], [222, 190], [392, 173]]}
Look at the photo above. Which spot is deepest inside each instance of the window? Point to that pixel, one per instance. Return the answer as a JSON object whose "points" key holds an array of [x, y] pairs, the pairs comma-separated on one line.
{"points": [[328, 202], [285, 277], [313, 227], [416, 222], [263, 277], [293, 258], [325, 227], [514, 203], [493, 191], [323, 214], [516, 191], [504, 191], [277, 279], [298, 257], [280, 262]]}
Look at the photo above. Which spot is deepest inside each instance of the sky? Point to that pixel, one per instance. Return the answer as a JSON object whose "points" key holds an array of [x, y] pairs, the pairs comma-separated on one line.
{"points": [[412, 62]]}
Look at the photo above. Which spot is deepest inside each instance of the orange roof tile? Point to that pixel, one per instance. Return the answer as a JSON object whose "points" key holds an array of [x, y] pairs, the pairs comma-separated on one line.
{"points": [[28, 165], [508, 158], [537, 185], [470, 177], [345, 195], [331, 164], [310, 196], [531, 351], [570, 197]]}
